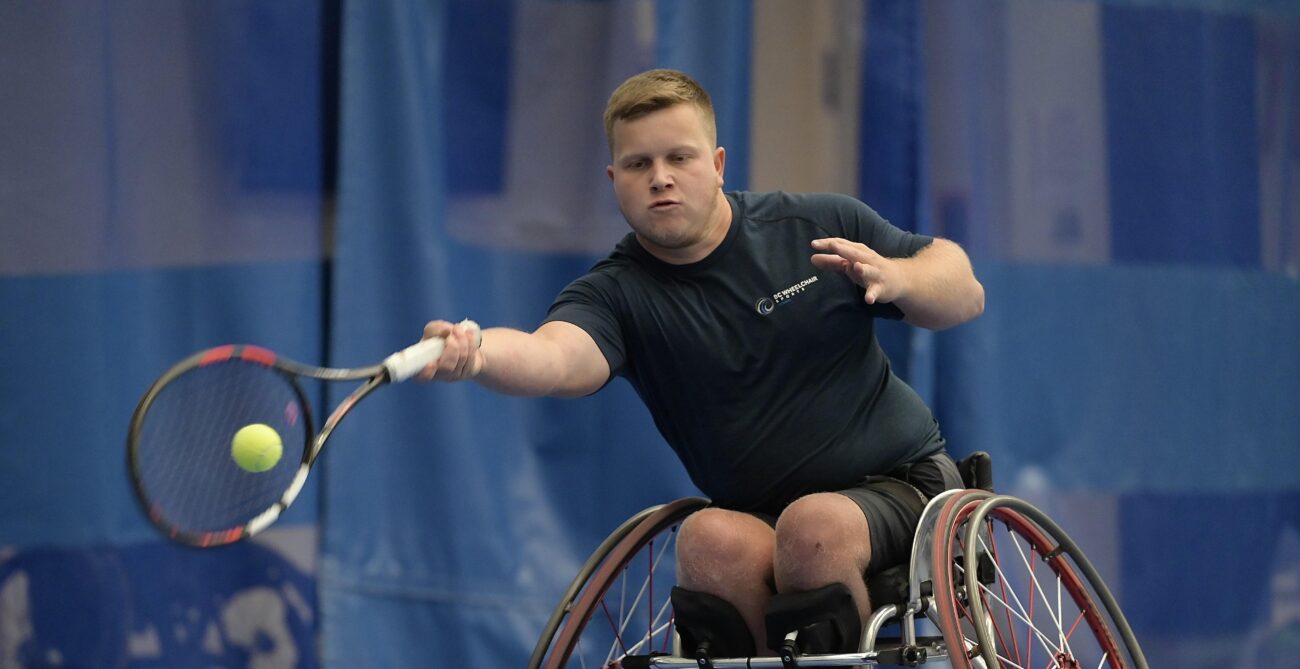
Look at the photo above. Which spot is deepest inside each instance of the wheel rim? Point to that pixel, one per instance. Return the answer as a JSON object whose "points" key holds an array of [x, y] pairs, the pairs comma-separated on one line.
{"points": [[1038, 611], [625, 608], [954, 512]]}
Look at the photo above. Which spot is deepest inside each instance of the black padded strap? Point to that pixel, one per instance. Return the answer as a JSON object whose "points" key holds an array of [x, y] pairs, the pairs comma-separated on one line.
{"points": [[826, 618], [703, 619]]}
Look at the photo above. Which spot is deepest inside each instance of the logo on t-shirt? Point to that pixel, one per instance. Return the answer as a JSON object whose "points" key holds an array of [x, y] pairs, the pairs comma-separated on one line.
{"points": [[766, 305]]}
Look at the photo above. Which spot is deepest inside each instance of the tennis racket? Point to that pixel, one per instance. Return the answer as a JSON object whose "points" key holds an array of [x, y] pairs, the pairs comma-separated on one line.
{"points": [[179, 447]]}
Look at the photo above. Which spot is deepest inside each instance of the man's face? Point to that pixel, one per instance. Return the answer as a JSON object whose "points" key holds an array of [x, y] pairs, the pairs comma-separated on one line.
{"points": [[667, 177]]}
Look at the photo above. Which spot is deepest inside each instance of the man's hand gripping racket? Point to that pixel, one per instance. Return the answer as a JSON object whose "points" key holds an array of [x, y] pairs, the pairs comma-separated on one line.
{"points": [[205, 480]]}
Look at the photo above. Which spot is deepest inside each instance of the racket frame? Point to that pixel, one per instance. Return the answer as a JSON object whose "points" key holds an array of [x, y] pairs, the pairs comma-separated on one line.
{"points": [[291, 370], [397, 367]]}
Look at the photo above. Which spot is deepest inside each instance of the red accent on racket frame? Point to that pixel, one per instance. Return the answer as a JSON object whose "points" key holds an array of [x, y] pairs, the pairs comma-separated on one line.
{"points": [[258, 355], [220, 538], [215, 355]]}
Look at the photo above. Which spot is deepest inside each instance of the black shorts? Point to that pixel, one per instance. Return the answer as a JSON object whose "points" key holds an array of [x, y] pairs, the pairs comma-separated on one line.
{"points": [[893, 507], [893, 503]]}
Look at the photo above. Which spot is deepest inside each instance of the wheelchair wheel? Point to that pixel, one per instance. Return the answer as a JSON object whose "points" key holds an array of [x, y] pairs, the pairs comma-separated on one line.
{"points": [[619, 605], [1018, 592]]}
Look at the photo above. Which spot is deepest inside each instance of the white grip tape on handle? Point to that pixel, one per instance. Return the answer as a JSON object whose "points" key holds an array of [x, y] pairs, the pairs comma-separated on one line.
{"points": [[408, 362]]}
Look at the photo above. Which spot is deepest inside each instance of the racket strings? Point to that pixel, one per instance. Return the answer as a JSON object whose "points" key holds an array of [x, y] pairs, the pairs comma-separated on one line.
{"points": [[183, 447]]}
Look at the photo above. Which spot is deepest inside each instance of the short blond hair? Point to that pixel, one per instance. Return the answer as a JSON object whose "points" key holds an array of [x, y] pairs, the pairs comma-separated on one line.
{"points": [[653, 90]]}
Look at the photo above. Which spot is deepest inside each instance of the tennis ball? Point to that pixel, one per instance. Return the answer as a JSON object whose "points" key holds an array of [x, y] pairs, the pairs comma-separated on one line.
{"points": [[256, 447]]}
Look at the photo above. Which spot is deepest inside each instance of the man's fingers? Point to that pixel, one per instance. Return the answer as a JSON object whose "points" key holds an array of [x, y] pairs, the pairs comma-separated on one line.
{"points": [[433, 329], [830, 262], [866, 271], [858, 262], [463, 351], [828, 243], [871, 278], [437, 329], [844, 248], [452, 363], [860, 273], [835, 246]]}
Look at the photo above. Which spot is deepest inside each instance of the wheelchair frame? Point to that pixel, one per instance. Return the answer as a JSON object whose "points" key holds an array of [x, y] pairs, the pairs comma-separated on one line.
{"points": [[950, 523]]}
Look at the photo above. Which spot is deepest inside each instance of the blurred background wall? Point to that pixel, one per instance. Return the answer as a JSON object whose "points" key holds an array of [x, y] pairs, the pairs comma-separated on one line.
{"points": [[324, 177]]}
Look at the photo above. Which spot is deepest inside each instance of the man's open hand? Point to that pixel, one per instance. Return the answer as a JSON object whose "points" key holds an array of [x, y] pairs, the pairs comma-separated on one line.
{"points": [[884, 279]]}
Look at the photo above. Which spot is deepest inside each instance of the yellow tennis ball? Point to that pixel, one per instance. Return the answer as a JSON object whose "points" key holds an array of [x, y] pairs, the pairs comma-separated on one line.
{"points": [[256, 447]]}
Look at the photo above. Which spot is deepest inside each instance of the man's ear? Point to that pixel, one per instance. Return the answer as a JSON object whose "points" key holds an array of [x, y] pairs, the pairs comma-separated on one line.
{"points": [[720, 163]]}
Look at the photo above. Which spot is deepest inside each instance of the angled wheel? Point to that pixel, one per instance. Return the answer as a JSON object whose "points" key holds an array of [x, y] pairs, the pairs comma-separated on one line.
{"points": [[1018, 592], [618, 606]]}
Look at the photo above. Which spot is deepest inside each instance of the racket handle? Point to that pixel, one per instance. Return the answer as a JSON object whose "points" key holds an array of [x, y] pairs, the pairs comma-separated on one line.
{"points": [[408, 362]]}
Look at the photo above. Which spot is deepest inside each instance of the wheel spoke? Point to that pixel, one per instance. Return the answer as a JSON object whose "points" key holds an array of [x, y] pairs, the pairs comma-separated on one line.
{"points": [[627, 613], [1055, 613], [1019, 610], [650, 601], [1037, 634], [1060, 628], [644, 642], [1008, 662], [1015, 641], [618, 640]]}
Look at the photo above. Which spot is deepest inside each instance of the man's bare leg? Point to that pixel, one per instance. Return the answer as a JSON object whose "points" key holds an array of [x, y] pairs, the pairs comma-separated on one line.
{"points": [[728, 554], [822, 539]]}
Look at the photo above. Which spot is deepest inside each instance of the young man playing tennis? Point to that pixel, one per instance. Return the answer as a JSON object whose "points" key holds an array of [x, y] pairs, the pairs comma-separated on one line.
{"points": [[745, 323]]}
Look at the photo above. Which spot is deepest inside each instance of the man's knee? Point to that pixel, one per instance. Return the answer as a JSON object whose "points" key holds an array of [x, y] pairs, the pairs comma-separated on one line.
{"points": [[823, 529], [713, 542]]}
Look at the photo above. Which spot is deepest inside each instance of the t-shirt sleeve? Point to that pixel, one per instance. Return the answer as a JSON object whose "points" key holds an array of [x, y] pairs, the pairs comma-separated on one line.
{"points": [[861, 223], [584, 304]]}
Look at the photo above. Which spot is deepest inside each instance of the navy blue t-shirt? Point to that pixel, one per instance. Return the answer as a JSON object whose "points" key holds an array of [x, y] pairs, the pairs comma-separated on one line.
{"points": [[761, 371]]}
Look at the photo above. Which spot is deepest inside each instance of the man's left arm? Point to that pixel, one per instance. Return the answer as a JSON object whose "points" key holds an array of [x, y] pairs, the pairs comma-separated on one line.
{"points": [[935, 288]]}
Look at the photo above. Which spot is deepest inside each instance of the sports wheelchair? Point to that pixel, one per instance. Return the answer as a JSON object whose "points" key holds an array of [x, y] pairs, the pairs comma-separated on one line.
{"points": [[1004, 585]]}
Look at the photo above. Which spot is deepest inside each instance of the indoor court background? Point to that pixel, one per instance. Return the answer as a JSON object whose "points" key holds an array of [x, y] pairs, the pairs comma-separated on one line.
{"points": [[322, 178]]}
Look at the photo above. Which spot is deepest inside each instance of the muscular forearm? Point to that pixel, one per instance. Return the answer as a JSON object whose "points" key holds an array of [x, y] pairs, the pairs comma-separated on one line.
{"points": [[558, 360], [942, 290], [517, 363]]}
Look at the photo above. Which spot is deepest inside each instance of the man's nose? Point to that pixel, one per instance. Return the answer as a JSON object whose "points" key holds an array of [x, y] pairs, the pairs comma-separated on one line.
{"points": [[660, 177]]}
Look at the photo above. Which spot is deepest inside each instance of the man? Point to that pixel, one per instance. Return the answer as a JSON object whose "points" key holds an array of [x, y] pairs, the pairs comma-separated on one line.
{"points": [[745, 323]]}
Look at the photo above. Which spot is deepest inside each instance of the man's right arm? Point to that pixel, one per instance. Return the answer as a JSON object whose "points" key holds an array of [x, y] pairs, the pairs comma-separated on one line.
{"points": [[558, 359]]}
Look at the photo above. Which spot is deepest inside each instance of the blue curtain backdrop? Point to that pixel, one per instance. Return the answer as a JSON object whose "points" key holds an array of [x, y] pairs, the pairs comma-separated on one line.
{"points": [[324, 178], [163, 172]]}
